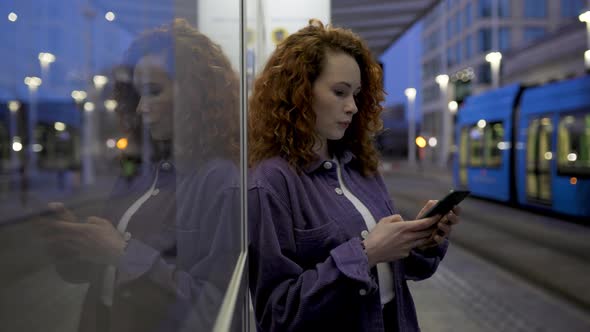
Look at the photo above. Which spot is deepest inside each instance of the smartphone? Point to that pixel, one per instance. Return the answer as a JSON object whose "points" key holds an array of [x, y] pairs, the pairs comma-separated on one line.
{"points": [[445, 205]]}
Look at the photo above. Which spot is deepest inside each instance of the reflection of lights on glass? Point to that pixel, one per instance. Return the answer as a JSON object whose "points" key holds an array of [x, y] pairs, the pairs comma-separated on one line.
{"points": [[89, 106], [110, 105], [122, 143], [420, 141], [100, 81], [548, 155], [569, 119], [453, 106], [432, 141], [17, 146], [14, 106], [572, 157], [573, 180], [545, 121], [585, 16], [33, 82], [12, 17], [79, 96], [111, 143], [481, 124], [59, 126], [587, 58], [46, 58], [110, 16], [37, 147], [503, 145]]}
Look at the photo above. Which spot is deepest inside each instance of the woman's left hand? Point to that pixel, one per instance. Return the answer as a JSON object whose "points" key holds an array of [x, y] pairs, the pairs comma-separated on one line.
{"points": [[95, 241]]}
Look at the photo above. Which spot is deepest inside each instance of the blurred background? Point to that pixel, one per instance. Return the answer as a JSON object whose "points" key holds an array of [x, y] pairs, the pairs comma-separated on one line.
{"points": [[487, 95]]}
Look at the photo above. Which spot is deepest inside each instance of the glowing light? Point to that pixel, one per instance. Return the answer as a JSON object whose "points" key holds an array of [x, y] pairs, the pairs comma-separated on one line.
{"points": [[587, 58], [17, 146], [89, 106], [573, 180], [432, 141], [421, 142], [453, 106], [110, 16], [110, 105], [442, 80], [503, 145], [545, 121], [481, 123], [548, 155], [46, 58], [33, 82], [122, 143], [494, 57], [410, 93], [59, 126], [14, 106], [37, 147], [111, 143], [79, 96], [585, 16], [100, 81], [572, 157], [12, 17]]}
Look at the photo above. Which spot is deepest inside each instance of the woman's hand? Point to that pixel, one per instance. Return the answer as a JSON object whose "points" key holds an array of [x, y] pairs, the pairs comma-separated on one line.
{"points": [[95, 241], [391, 239], [443, 227]]}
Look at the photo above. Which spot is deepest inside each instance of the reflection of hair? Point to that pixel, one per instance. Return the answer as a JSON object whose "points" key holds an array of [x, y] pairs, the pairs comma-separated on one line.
{"points": [[281, 120], [207, 95]]}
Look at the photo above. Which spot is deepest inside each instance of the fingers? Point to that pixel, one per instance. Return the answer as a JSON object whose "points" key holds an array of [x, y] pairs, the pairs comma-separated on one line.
{"points": [[392, 218], [426, 207], [457, 210], [422, 224], [61, 211]]}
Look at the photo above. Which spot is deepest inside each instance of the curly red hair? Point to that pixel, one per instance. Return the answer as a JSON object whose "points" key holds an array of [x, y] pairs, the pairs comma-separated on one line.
{"points": [[281, 120]]}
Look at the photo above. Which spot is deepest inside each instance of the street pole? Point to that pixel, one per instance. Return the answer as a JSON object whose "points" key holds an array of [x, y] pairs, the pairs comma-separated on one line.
{"points": [[411, 95], [585, 17], [443, 83], [33, 84]]}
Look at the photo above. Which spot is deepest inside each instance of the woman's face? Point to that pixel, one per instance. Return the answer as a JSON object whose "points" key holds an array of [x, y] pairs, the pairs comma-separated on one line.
{"points": [[334, 94], [156, 91]]}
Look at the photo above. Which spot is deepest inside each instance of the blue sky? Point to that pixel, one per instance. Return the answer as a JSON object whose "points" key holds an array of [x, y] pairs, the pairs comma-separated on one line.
{"points": [[402, 69]]}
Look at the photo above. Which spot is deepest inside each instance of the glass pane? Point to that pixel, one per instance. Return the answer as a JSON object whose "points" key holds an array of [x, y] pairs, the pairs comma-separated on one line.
{"points": [[574, 144], [126, 115], [476, 139], [495, 144]]}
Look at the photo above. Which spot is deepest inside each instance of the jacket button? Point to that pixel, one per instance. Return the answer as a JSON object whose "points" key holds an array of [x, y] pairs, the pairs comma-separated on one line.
{"points": [[362, 292], [328, 165], [364, 234], [338, 191]]}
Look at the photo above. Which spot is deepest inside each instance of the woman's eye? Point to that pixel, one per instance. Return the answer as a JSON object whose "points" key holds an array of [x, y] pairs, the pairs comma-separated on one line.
{"points": [[151, 90], [339, 93]]}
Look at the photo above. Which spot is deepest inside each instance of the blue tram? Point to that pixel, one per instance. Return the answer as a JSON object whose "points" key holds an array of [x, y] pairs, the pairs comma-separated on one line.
{"points": [[528, 146]]}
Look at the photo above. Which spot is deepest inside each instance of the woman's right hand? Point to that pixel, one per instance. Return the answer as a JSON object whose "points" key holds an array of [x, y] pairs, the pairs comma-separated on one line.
{"points": [[393, 238]]}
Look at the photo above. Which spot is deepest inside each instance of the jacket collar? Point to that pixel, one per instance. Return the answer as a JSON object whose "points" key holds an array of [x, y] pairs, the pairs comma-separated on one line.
{"points": [[344, 159]]}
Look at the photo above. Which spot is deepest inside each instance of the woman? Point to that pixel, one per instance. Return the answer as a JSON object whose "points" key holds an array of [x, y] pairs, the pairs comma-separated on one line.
{"points": [[328, 251], [162, 253]]}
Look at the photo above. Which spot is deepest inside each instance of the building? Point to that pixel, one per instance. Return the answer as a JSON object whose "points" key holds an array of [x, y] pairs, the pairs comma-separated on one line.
{"points": [[457, 36]]}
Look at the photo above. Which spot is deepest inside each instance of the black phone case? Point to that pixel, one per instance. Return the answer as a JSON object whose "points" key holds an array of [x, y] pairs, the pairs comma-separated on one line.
{"points": [[447, 203]]}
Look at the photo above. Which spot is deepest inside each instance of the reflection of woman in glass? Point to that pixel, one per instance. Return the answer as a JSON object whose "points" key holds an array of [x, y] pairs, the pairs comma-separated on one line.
{"points": [[162, 254], [328, 251]]}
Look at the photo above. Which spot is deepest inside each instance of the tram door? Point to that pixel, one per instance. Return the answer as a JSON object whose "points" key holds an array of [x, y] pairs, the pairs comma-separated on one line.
{"points": [[538, 163], [463, 156]]}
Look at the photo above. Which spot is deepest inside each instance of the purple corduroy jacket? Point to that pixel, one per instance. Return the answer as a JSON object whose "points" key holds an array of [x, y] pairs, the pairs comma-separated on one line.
{"points": [[308, 270]]}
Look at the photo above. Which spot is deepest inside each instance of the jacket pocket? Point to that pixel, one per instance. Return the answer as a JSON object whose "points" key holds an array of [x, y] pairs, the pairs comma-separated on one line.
{"points": [[314, 244]]}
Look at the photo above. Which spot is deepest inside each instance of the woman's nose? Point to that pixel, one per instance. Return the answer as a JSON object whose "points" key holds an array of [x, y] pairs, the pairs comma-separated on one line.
{"points": [[351, 106], [141, 107]]}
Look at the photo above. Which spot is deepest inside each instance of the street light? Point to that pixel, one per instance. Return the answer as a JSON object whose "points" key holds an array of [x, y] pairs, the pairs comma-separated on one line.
{"points": [[494, 59], [411, 95], [587, 58], [33, 84], [443, 83], [45, 59], [100, 81]]}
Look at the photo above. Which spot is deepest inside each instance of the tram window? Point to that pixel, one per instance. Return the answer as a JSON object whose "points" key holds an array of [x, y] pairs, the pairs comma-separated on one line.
{"points": [[574, 144], [494, 144], [476, 139], [463, 146]]}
